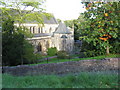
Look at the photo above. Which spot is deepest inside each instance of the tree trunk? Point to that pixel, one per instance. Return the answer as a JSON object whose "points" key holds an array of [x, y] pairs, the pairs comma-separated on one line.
{"points": [[107, 50]]}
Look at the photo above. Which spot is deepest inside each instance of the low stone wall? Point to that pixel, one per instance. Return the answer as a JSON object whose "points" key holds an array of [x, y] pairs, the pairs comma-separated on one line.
{"points": [[64, 67]]}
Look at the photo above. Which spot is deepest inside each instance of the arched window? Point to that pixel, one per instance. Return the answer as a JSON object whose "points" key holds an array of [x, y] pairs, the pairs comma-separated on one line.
{"points": [[39, 48], [39, 30], [33, 29], [30, 29]]}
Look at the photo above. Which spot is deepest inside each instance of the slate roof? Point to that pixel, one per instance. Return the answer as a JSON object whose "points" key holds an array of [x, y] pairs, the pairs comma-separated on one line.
{"points": [[52, 20], [46, 20], [62, 29]]}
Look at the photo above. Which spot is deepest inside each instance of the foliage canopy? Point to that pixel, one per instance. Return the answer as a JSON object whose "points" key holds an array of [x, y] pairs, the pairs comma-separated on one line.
{"points": [[101, 26]]}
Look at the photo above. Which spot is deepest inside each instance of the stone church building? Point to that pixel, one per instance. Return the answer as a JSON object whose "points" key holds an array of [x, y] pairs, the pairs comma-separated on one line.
{"points": [[52, 34]]}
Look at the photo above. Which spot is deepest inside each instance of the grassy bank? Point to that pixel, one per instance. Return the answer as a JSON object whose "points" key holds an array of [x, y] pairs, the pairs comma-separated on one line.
{"points": [[83, 80], [56, 60]]}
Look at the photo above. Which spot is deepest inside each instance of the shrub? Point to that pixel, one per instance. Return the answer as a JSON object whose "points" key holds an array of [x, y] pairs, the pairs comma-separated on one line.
{"points": [[115, 46], [37, 57], [90, 51], [62, 54], [52, 51]]}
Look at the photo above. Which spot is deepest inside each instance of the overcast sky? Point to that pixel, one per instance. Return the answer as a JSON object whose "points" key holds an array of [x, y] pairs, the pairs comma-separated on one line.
{"points": [[64, 9]]}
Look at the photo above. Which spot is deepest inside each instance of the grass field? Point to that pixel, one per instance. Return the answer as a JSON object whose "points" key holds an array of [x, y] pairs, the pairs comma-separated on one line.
{"points": [[56, 60], [83, 80]]}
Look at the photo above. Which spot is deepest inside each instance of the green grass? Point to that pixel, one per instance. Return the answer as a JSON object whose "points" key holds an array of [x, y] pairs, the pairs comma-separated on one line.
{"points": [[56, 60], [82, 80]]}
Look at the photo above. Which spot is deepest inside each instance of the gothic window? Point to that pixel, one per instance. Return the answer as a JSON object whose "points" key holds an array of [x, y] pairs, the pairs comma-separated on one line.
{"points": [[33, 29], [63, 44], [39, 48], [30, 29], [39, 30]]}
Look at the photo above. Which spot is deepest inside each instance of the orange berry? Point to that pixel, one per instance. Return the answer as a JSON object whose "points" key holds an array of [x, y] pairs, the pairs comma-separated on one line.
{"points": [[87, 8], [99, 26], [99, 22], [111, 21], [106, 14]]}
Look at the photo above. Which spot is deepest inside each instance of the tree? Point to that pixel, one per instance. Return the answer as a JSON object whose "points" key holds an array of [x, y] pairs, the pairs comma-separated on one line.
{"points": [[102, 24], [78, 24], [69, 23], [16, 49], [11, 50], [19, 10]]}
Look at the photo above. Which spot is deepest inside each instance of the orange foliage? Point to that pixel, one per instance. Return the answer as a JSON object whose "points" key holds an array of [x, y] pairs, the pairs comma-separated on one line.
{"points": [[87, 8], [106, 38], [89, 5], [109, 36], [111, 21], [103, 38], [106, 14], [99, 26]]}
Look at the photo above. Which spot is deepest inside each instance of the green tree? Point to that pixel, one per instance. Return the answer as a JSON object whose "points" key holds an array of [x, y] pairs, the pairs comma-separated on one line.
{"points": [[11, 48], [16, 49], [101, 27], [69, 23], [78, 24], [21, 13]]}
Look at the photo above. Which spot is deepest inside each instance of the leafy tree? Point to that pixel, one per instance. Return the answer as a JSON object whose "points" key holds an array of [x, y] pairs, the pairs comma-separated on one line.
{"points": [[28, 55], [11, 50], [78, 24], [101, 27], [22, 11], [69, 23], [16, 49]]}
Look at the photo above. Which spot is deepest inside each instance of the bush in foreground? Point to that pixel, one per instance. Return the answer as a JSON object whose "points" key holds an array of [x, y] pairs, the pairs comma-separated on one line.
{"points": [[82, 80], [62, 55], [52, 51]]}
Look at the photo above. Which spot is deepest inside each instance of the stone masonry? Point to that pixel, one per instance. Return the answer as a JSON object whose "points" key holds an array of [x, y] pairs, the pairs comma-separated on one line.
{"points": [[64, 67]]}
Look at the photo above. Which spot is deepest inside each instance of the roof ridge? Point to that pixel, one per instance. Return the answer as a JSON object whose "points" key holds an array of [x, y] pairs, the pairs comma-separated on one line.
{"points": [[62, 29]]}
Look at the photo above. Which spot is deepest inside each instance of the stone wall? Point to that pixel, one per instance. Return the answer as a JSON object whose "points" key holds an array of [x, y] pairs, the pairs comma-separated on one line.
{"points": [[65, 67]]}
